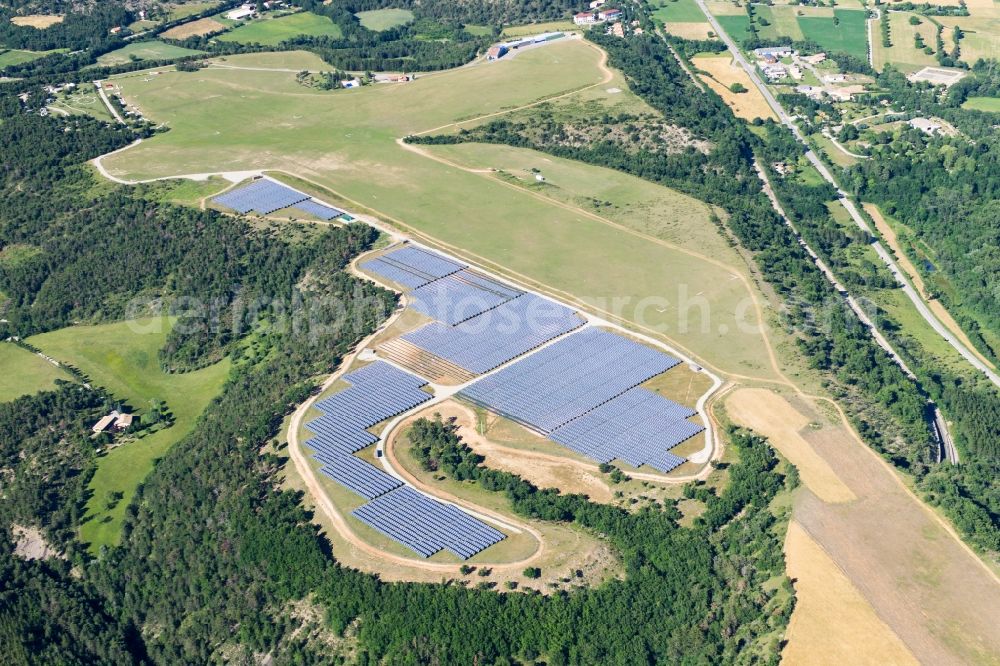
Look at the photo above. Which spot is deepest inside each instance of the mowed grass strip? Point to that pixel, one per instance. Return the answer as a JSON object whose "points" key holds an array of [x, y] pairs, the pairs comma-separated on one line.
{"points": [[990, 104], [24, 373], [224, 120], [153, 50], [122, 357], [383, 19], [273, 31]]}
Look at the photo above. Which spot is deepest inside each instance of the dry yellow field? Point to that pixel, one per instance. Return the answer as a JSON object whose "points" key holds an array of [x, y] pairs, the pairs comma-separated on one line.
{"points": [[39, 21], [205, 26], [722, 73], [832, 622], [690, 30], [771, 415], [935, 305]]}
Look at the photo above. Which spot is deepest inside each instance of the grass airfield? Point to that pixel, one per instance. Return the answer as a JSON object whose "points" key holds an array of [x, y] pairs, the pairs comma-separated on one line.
{"points": [[345, 141]]}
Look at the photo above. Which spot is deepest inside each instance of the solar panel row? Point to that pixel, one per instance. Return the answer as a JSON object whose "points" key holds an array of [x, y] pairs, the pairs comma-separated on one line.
{"points": [[461, 296], [317, 209], [492, 338], [427, 526], [357, 475], [263, 195], [412, 266], [568, 378]]}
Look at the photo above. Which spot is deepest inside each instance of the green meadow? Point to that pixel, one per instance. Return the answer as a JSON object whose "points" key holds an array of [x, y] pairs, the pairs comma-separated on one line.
{"points": [[383, 19], [273, 31], [153, 50], [122, 357]]}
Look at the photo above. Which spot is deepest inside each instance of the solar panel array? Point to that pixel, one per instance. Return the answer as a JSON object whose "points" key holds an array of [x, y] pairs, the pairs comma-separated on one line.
{"points": [[461, 296], [412, 266], [263, 195], [427, 526], [492, 338], [378, 392], [568, 378], [638, 427], [319, 210]]}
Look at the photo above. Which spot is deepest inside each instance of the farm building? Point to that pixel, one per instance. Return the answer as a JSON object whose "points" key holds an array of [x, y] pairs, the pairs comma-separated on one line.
{"points": [[496, 52], [113, 421], [773, 52], [585, 18], [596, 3], [609, 14], [240, 13]]}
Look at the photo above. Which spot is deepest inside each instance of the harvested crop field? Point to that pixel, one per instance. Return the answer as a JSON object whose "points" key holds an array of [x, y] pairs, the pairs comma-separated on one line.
{"points": [[40, 21], [722, 72], [831, 616], [691, 30], [199, 28]]}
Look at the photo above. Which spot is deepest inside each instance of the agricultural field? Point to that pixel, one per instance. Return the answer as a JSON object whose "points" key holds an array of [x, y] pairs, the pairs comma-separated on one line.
{"points": [[383, 19], [981, 30], [720, 74], [183, 10], [848, 35], [833, 29], [25, 373], [903, 53], [991, 104], [40, 21], [199, 28], [273, 31], [677, 11], [122, 357], [371, 171], [153, 50]]}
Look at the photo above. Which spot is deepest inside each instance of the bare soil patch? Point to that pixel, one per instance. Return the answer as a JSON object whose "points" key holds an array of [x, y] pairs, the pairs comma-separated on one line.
{"points": [[832, 622], [29, 544], [205, 26], [539, 469], [40, 21], [773, 416]]}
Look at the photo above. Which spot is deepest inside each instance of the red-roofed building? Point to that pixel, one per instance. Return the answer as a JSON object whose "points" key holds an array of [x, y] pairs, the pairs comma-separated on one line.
{"points": [[609, 14], [585, 18]]}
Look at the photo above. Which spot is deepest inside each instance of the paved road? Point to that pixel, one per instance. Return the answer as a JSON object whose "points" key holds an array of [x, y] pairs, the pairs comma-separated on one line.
{"points": [[107, 102], [908, 289]]}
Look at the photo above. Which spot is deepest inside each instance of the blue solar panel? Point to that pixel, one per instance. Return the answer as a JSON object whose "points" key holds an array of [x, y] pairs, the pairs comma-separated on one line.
{"points": [[461, 296], [263, 195], [492, 338], [568, 378], [427, 526], [357, 475], [317, 209], [412, 266], [638, 427]]}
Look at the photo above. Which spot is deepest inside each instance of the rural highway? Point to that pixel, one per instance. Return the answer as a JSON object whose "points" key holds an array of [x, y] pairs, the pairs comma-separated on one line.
{"points": [[107, 102], [883, 254]]}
